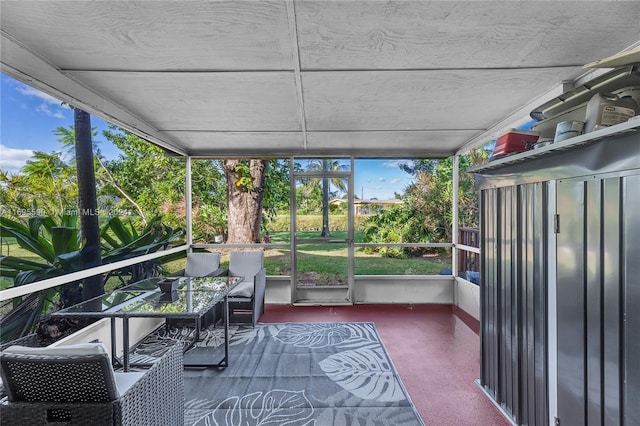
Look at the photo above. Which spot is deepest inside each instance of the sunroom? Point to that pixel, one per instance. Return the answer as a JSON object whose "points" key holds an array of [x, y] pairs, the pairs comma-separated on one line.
{"points": [[546, 307]]}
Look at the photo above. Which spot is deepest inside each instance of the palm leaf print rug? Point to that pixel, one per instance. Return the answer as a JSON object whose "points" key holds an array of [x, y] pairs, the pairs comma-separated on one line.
{"points": [[311, 374]]}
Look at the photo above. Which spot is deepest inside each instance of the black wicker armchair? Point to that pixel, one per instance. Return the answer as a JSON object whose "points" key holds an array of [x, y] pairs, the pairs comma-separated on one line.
{"points": [[69, 389]]}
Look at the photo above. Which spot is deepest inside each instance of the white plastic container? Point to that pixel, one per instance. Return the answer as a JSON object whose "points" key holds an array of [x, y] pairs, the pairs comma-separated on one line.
{"points": [[568, 129], [608, 109]]}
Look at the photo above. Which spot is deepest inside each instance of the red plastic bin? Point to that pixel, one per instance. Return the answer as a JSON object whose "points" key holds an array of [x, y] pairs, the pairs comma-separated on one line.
{"points": [[514, 140]]}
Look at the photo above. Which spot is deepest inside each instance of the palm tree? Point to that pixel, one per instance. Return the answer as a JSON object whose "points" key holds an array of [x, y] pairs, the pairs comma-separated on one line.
{"points": [[87, 203], [49, 175], [326, 165]]}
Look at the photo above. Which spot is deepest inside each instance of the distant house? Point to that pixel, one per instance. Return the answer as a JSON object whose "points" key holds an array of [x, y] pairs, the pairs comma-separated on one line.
{"points": [[366, 206]]}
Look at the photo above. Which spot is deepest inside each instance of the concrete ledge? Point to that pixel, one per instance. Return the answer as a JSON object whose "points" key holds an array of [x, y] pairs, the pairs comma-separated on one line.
{"points": [[467, 303], [139, 328], [411, 289], [278, 290], [468, 297]]}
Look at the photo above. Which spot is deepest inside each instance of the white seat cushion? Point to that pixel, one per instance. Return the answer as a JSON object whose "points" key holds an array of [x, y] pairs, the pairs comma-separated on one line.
{"points": [[124, 381], [243, 289], [77, 349]]}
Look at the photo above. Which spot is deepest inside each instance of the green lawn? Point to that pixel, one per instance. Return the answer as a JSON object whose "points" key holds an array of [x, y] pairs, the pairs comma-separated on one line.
{"points": [[322, 263], [329, 260]]}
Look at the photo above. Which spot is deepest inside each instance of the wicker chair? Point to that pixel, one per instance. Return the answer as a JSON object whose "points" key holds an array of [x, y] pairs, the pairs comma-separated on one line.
{"points": [[248, 296], [28, 340], [205, 264], [68, 389]]}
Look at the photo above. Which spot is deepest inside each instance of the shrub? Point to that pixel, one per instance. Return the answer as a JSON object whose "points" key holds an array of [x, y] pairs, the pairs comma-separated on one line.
{"points": [[281, 223], [399, 224]]}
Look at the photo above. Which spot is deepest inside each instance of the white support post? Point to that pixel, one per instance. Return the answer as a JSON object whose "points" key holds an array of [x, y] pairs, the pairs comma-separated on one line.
{"points": [[187, 201], [293, 228], [454, 207]]}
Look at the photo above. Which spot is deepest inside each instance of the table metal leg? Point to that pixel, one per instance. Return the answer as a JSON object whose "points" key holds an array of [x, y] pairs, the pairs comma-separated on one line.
{"points": [[225, 361], [115, 360], [113, 339], [125, 343]]}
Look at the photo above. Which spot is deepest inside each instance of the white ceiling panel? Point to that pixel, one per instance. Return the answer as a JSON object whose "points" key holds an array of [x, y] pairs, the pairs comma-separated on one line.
{"points": [[417, 100], [268, 144], [231, 101], [451, 34], [387, 144], [154, 35], [300, 77]]}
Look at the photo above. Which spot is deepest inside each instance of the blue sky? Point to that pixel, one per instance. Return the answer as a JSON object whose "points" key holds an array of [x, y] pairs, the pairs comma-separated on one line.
{"points": [[29, 117], [379, 179]]}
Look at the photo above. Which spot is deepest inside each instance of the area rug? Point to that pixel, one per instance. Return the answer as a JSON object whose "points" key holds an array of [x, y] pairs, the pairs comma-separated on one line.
{"points": [[311, 374]]}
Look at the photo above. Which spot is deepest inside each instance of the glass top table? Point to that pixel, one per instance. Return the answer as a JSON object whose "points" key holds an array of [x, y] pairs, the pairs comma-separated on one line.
{"points": [[193, 298]]}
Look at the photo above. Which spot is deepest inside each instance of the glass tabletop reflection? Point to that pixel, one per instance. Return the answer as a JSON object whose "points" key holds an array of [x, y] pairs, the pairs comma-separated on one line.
{"points": [[192, 297]]}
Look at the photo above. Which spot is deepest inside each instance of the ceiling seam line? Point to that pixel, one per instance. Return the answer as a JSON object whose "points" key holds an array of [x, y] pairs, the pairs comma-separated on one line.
{"points": [[324, 131], [295, 49], [177, 71], [318, 70], [311, 70]]}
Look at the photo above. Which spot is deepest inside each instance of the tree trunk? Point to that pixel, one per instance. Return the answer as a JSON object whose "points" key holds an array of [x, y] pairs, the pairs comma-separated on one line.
{"points": [[87, 204], [245, 195]]}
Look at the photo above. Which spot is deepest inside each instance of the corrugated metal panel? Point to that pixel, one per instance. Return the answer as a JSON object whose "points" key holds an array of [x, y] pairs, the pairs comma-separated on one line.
{"points": [[596, 285], [529, 264], [504, 261], [570, 296], [599, 238], [540, 249], [513, 239], [631, 280], [593, 299], [611, 314], [491, 291]]}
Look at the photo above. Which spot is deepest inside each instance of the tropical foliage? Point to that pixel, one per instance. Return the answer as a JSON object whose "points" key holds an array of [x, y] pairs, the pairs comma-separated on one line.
{"points": [[426, 214], [121, 241], [58, 246], [399, 224]]}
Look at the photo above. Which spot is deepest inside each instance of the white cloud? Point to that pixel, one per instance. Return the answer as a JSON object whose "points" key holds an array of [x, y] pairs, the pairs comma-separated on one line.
{"points": [[395, 164], [381, 179], [396, 180], [44, 108], [12, 159], [30, 91], [49, 106]]}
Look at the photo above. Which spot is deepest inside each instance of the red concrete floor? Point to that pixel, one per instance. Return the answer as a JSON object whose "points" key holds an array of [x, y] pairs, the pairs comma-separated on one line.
{"points": [[436, 354]]}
